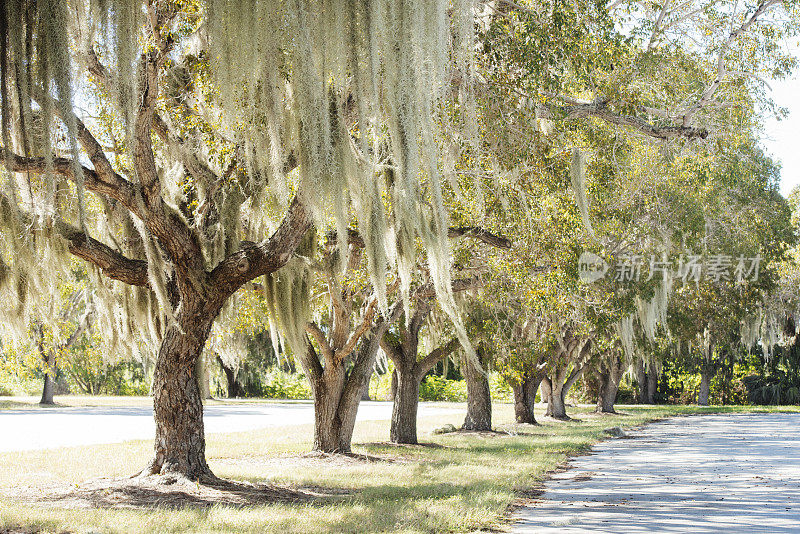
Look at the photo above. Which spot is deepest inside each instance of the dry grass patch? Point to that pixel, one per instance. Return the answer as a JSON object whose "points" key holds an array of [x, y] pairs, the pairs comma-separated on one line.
{"points": [[456, 482]]}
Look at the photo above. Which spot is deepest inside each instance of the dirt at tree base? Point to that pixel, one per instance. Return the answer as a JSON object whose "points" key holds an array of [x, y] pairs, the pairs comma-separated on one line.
{"points": [[149, 493], [27, 530]]}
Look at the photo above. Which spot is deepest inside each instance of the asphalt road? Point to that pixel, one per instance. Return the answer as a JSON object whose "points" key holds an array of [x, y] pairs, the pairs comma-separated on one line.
{"points": [[30, 429], [702, 474]]}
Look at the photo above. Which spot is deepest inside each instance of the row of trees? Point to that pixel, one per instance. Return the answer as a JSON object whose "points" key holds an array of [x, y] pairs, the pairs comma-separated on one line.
{"points": [[418, 177]]}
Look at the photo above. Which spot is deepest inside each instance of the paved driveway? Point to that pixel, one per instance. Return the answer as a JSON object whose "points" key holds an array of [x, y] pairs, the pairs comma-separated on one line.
{"points": [[63, 427], [701, 474]]}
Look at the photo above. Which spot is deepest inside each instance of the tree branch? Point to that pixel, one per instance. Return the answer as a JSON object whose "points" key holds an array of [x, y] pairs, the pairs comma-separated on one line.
{"points": [[310, 362], [369, 314], [454, 232], [319, 336], [463, 284], [113, 264], [763, 7], [599, 109], [435, 356], [480, 234], [253, 260]]}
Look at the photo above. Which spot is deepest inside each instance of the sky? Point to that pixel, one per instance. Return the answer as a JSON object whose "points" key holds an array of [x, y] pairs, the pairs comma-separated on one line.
{"points": [[782, 138]]}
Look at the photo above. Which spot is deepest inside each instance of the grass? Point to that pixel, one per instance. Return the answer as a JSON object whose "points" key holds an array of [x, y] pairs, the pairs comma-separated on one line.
{"points": [[465, 484]]}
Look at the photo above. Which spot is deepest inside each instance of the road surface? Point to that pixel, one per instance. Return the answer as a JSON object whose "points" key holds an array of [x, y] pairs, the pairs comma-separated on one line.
{"points": [[30, 429], [701, 474]]}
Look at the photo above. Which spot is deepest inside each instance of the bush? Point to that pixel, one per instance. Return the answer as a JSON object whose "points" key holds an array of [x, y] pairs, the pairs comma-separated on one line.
{"points": [[436, 388], [501, 390], [281, 385]]}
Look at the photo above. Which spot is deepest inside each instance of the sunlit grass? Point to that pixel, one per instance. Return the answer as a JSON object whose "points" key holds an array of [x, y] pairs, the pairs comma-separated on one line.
{"points": [[466, 484]]}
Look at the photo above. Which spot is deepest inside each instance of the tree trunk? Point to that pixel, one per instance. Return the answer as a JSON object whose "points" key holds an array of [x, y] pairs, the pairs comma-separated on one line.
{"points": [[652, 385], [201, 372], [408, 375], [525, 397], [177, 403], [610, 376], [404, 410], [49, 387], [641, 381], [393, 390], [337, 395], [557, 408], [327, 421], [705, 386], [608, 393], [234, 389], [479, 400], [547, 392], [365, 393]]}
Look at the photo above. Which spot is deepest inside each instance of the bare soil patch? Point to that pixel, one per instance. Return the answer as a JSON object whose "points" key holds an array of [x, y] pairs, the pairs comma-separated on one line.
{"points": [[144, 493]]}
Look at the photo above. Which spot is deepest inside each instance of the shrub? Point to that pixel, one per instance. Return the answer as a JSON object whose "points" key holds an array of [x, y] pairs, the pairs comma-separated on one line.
{"points": [[281, 385], [436, 388]]}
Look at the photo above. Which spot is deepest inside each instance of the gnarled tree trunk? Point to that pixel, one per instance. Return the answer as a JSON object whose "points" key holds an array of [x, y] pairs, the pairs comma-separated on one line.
{"points": [[557, 407], [571, 367], [177, 400], [652, 385], [641, 382], [409, 372], [546, 388], [404, 410], [479, 399], [234, 389], [337, 394], [610, 374], [525, 396]]}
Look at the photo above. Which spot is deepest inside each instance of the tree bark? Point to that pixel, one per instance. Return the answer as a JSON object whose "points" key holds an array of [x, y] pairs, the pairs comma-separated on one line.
{"points": [[652, 385], [177, 403], [404, 410], [608, 395], [525, 397], [49, 387], [234, 389], [608, 392], [479, 399], [546, 388], [705, 386], [557, 408], [365, 394], [641, 381], [337, 393], [609, 377]]}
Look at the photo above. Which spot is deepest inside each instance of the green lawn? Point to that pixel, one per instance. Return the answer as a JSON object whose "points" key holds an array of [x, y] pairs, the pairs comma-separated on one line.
{"points": [[466, 483]]}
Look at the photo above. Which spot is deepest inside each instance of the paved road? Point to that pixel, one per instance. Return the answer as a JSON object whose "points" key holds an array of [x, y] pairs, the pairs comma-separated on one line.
{"points": [[64, 427], [713, 473]]}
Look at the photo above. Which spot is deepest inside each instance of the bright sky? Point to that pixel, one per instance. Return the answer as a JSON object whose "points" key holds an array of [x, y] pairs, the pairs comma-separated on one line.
{"points": [[782, 138]]}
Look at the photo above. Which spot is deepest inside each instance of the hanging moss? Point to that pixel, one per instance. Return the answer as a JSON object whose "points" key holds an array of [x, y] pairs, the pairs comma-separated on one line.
{"points": [[349, 89]]}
